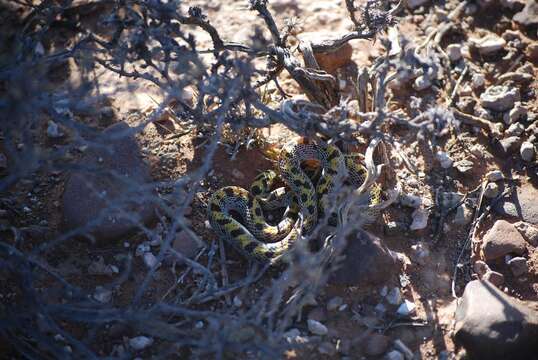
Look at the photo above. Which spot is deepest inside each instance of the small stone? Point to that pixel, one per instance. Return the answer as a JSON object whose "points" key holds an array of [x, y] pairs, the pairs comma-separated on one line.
{"points": [[327, 348], [384, 291], [518, 265], [420, 219], [394, 297], [495, 175], [291, 335], [334, 303], [499, 98], [481, 268], [494, 277], [142, 248], [394, 355], [392, 228], [102, 295], [492, 190], [237, 301], [502, 239], [400, 346], [489, 44], [376, 344], [478, 81], [409, 200], [420, 253], [527, 151], [518, 113], [528, 231], [317, 328], [516, 129], [150, 260], [140, 342], [422, 83], [510, 145], [454, 52], [53, 130], [380, 309], [444, 160], [406, 308], [464, 166], [464, 215]]}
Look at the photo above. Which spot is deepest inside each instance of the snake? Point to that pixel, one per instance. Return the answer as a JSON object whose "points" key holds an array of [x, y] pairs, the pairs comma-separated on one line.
{"points": [[237, 215]]}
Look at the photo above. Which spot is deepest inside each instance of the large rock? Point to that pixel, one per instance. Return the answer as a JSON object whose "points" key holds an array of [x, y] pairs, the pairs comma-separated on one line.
{"points": [[364, 257], [521, 204], [492, 325], [502, 239], [120, 179]]}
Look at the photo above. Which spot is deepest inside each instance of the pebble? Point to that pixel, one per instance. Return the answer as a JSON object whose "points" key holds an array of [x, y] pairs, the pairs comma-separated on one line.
{"points": [[420, 253], [140, 342], [102, 295], [528, 16], [516, 129], [478, 80], [376, 344], [150, 260], [490, 44], [518, 265], [422, 83], [384, 291], [399, 345], [499, 98], [380, 309], [394, 296], [291, 335], [527, 151], [406, 308], [317, 328], [142, 248], [480, 267], [237, 301], [394, 355], [334, 303], [444, 159], [494, 277], [185, 245], [53, 130], [492, 190], [510, 144], [464, 215], [454, 52], [420, 219], [519, 112]]}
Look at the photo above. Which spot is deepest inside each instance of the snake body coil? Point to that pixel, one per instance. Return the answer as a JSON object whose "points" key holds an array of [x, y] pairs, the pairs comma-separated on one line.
{"points": [[251, 234]]}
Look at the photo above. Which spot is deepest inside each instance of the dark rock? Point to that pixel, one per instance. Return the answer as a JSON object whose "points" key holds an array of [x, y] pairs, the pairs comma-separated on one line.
{"points": [[529, 15], [364, 256], [518, 265], [185, 245], [507, 146], [376, 344], [494, 277], [521, 204], [120, 178], [492, 325], [502, 239]]}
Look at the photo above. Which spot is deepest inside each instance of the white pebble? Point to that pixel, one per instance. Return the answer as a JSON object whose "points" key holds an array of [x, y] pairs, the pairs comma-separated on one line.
{"points": [[406, 308], [150, 260], [527, 151], [140, 342], [394, 297], [420, 219], [102, 295], [317, 328], [334, 303], [454, 52], [491, 191], [444, 160]]}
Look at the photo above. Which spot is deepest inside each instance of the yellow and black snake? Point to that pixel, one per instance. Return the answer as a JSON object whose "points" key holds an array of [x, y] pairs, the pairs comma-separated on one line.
{"points": [[251, 234]]}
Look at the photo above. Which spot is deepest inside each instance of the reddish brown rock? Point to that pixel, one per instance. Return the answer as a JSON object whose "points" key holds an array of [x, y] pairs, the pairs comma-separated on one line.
{"points": [[502, 239]]}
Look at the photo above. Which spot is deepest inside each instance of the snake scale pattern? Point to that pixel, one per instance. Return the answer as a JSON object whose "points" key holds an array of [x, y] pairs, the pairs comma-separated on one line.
{"points": [[250, 233]]}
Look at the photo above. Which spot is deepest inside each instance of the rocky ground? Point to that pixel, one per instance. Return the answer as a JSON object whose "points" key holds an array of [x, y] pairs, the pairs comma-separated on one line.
{"points": [[451, 268]]}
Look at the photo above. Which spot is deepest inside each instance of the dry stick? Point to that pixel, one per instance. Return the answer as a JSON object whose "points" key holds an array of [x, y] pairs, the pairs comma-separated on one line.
{"points": [[224, 269], [477, 121], [454, 91]]}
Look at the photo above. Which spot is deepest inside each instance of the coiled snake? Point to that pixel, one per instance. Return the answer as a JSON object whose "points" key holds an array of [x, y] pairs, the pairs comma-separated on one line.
{"points": [[251, 234]]}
